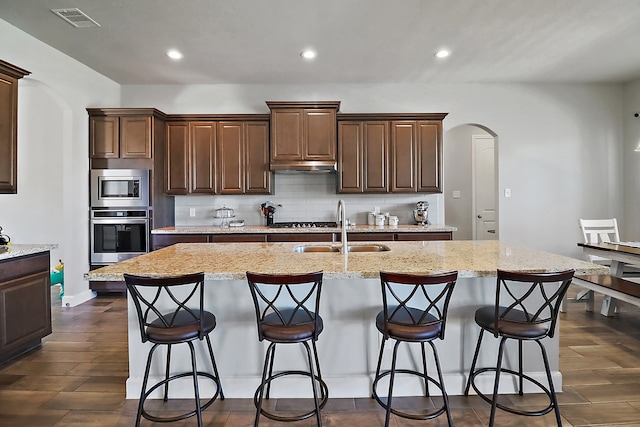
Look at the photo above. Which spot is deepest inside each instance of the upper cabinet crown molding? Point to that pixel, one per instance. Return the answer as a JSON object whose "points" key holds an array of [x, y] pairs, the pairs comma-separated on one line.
{"points": [[9, 76]]}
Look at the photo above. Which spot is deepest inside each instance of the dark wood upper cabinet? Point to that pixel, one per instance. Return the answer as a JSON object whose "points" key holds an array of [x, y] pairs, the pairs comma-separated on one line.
{"points": [[398, 153], [177, 159], [403, 156], [257, 173], [231, 153], [303, 134], [218, 156], [9, 76], [125, 133], [203, 156], [376, 157]]}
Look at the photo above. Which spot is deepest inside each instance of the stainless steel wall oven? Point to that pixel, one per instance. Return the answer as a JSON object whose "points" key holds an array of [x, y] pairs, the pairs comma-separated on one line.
{"points": [[118, 234]]}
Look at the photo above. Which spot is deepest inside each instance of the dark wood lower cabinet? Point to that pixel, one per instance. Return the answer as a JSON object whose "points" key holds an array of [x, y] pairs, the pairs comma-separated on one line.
{"points": [[25, 304], [300, 237]]}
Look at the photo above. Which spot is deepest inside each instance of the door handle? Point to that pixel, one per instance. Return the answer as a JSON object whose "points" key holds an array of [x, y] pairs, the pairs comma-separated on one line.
{"points": [[491, 231], [480, 216]]}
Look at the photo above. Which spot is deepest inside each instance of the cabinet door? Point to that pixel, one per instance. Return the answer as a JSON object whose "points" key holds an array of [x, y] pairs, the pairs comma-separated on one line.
{"points": [[135, 137], [202, 136], [177, 159], [257, 173], [438, 235], [159, 241], [375, 156], [320, 134], [286, 134], [430, 156], [104, 134], [26, 314], [403, 156], [230, 157], [8, 137], [350, 152]]}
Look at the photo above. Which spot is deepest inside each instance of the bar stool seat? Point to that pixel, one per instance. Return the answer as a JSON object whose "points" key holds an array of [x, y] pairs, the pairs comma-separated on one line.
{"points": [[286, 307], [414, 311], [526, 309], [170, 311]]}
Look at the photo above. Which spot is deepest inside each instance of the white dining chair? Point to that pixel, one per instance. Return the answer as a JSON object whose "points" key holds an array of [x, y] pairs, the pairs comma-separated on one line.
{"points": [[599, 231]]}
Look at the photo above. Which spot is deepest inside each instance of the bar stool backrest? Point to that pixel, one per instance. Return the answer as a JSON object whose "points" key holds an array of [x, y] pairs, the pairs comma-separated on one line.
{"points": [[537, 295], [428, 295], [290, 297], [167, 300]]}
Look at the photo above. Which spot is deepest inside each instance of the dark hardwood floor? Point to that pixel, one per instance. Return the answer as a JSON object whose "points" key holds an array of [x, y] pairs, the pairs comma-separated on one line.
{"points": [[77, 378]]}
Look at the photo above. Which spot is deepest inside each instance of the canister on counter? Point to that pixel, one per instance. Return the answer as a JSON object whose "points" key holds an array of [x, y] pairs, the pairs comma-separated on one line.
{"points": [[380, 220], [393, 220], [371, 218]]}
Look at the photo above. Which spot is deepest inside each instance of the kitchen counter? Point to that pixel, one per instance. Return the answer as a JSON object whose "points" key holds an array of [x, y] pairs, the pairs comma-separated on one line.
{"points": [[228, 261], [18, 250], [349, 345], [260, 229]]}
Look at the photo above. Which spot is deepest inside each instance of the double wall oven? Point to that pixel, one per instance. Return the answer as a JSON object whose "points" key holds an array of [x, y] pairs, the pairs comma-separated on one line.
{"points": [[119, 217]]}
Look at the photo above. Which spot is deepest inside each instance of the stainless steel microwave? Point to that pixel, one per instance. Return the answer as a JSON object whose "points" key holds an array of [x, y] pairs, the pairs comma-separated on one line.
{"points": [[115, 188]]}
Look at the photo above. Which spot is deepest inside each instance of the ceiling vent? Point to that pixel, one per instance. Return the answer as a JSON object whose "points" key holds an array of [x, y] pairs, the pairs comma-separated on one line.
{"points": [[75, 17]]}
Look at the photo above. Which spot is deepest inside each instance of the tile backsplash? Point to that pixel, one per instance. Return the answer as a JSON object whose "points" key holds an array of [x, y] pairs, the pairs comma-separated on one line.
{"points": [[304, 197]]}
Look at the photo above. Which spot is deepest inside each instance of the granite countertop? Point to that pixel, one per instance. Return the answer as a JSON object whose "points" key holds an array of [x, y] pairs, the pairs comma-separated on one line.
{"points": [[18, 250], [267, 230], [228, 261]]}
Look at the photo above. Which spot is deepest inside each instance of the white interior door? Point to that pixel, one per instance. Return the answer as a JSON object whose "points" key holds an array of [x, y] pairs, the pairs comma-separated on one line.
{"points": [[484, 188]]}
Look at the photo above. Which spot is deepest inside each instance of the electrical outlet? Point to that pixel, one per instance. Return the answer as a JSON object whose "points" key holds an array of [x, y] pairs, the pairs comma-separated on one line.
{"points": [[456, 194], [192, 212]]}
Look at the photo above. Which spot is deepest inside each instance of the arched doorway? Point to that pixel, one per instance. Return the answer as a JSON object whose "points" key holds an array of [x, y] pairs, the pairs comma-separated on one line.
{"points": [[471, 182]]}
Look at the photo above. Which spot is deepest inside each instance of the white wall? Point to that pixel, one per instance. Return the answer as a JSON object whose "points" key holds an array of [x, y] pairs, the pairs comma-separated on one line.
{"points": [[630, 228], [560, 146], [52, 199]]}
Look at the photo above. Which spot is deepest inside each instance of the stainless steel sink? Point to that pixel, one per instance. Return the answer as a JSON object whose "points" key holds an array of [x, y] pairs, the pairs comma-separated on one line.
{"points": [[367, 248], [310, 248], [350, 248]]}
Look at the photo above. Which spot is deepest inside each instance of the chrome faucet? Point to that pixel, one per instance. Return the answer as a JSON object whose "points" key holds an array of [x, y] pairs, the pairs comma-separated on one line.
{"points": [[342, 218]]}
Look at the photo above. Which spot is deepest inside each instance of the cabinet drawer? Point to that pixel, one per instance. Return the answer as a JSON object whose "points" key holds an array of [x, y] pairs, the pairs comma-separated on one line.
{"points": [[159, 241], [300, 237], [369, 237], [444, 235], [23, 266], [237, 238]]}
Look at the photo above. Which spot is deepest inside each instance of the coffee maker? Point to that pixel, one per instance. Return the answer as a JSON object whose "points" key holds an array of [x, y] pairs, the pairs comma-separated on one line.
{"points": [[421, 213]]}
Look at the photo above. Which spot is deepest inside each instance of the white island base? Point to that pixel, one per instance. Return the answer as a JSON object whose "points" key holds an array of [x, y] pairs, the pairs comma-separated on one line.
{"points": [[348, 347]]}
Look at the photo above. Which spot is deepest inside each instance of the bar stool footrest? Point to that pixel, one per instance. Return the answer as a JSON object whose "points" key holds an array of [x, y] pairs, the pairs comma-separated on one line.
{"points": [[512, 410], [428, 416], [186, 415], [323, 398]]}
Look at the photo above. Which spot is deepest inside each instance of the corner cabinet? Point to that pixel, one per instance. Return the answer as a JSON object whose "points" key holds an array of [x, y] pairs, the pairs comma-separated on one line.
{"points": [[225, 156], [9, 76], [303, 134], [397, 153]]}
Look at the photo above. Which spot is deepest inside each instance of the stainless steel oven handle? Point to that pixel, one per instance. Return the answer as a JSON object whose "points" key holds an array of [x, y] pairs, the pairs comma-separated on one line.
{"points": [[123, 221]]}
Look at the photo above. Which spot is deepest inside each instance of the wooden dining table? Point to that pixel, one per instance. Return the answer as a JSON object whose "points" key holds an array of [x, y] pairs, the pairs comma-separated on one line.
{"points": [[620, 254]]}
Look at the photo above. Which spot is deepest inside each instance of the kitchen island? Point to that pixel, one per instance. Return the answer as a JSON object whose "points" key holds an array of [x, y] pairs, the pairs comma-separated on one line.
{"points": [[351, 298]]}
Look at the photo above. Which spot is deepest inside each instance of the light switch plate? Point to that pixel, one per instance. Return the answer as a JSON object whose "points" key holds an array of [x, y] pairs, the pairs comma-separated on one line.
{"points": [[507, 192], [456, 194]]}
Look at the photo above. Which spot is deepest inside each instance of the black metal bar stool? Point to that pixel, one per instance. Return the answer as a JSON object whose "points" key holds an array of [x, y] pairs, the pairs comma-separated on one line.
{"points": [[287, 313], [165, 315], [415, 311], [526, 309]]}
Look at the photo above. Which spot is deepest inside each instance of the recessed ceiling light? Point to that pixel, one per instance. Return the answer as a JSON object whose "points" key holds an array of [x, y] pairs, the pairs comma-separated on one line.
{"points": [[174, 54], [442, 53], [308, 54]]}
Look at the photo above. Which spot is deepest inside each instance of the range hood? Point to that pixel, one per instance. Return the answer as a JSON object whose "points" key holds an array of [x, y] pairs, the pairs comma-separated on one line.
{"points": [[306, 166]]}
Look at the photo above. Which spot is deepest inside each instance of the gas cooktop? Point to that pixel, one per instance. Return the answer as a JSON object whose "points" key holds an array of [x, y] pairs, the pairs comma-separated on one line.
{"points": [[305, 224]]}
